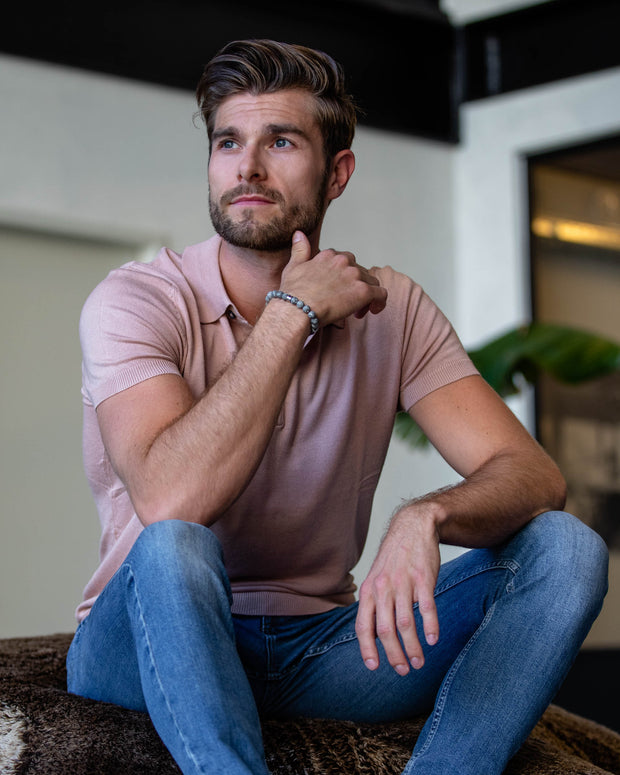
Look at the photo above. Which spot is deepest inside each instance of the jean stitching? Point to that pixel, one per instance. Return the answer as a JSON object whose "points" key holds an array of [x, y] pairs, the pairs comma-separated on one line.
{"points": [[514, 567], [312, 652], [507, 563], [71, 653], [441, 698], [154, 667]]}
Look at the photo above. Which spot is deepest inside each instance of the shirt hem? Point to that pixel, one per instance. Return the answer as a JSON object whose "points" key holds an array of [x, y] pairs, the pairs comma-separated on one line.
{"points": [[285, 603]]}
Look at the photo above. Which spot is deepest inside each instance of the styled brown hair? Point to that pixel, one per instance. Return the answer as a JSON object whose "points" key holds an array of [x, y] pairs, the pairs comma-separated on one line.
{"points": [[266, 66]]}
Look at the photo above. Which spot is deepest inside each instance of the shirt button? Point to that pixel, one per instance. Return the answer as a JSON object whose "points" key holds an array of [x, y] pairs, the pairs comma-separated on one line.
{"points": [[230, 314]]}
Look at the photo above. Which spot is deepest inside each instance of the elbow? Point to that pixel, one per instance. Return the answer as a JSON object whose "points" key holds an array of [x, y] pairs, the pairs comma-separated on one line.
{"points": [[561, 492], [555, 488], [157, 507]]}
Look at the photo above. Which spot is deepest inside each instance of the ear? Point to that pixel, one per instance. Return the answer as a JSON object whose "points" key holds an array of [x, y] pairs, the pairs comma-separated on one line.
{"points": [[342, 167]]}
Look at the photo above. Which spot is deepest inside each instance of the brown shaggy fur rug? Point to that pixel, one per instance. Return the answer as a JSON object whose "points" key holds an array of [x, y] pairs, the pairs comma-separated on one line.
{"points": [[46, 731]]}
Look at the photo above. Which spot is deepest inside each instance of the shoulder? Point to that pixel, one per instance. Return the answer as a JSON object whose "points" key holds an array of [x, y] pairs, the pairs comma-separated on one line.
{"points": [[408, 303], [137, 280], [144, 302], [169, 284]]}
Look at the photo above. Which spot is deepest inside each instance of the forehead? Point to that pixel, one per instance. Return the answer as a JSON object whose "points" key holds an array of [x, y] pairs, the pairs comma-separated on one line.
{"points": [[251, 112]]}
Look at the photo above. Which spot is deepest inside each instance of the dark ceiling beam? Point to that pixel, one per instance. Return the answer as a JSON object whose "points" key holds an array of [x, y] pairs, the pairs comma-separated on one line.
{"points": [[538, 45], [408, 67], [399, 63]]}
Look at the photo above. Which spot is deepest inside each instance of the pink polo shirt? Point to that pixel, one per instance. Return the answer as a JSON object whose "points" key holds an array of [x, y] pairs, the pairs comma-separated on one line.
{"points": [[292, 537]]}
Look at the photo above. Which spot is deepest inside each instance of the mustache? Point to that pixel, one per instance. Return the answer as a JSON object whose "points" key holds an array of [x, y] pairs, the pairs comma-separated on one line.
{"points": [[255, 190]]}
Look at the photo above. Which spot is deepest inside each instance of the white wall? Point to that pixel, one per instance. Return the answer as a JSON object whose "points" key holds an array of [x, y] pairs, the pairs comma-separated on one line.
{"points": [[117, 162], [93, 155]]}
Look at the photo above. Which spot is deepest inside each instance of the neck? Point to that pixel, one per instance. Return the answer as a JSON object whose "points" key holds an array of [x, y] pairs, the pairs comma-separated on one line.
{"points": [[249, 275]]}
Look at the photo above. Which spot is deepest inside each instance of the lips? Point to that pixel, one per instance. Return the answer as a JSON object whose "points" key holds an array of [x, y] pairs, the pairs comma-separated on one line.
{"points": [[241, 195], [252, 200]]}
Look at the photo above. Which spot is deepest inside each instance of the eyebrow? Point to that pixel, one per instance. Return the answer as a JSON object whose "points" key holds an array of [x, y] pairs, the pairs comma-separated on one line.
{"points": [[285, 129], [270, 129]]}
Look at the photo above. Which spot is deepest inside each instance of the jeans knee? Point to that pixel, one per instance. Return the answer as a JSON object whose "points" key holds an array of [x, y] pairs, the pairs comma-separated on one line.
{"points": [[178, 551], [573, 557]]}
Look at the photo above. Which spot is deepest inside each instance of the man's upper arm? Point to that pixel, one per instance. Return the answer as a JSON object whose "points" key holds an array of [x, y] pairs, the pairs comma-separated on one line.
{"points": [[131, 420], [468, 423]]}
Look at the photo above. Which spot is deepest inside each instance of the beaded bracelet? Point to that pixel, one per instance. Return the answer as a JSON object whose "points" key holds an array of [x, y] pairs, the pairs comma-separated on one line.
{"points": [[314, 321]]}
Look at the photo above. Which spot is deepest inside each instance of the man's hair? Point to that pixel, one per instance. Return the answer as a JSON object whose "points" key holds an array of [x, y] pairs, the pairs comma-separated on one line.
{"points": [[266, 66]]}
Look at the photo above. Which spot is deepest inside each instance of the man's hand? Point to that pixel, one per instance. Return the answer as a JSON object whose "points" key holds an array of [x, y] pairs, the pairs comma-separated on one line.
{"points": [[404, 572], [331, 283]]}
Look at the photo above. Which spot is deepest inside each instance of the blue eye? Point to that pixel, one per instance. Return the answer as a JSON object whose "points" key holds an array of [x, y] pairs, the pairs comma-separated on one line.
{"points": [[282, 142], [228, 144]]}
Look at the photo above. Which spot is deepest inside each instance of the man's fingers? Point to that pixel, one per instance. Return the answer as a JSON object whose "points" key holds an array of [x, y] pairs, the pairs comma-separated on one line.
{"points": [[366, 634], [376, 305], [430, 620], [300, 249], [379, 295], [388, 632], [405, 622], [381, 616]]}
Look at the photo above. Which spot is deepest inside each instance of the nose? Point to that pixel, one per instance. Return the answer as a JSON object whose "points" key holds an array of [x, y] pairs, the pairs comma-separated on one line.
{"points": [[251, 165]]}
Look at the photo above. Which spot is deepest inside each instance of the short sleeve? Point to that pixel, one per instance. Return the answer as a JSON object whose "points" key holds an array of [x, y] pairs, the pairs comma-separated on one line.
{"points": [[432, 355], [131, 329]]}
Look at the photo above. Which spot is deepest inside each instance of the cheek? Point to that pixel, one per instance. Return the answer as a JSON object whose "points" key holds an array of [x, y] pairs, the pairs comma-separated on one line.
{"points": [[218, 172], [306, 184]]}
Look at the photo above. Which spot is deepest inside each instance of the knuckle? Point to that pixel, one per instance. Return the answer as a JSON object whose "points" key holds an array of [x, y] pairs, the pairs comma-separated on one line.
{"points": [[399, 579], [419, 576], [365, 591], [385, 629], [363, 632], [381, 582], [404, 622]]}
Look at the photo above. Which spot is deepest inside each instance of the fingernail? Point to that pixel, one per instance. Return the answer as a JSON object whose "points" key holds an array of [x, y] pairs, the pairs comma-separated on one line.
{"points": [[416, 663], [298, 235], [431, 639], [401, 669], [371, 664]]}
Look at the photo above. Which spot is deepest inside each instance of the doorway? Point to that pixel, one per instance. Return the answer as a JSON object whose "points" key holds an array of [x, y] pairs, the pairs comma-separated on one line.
{"points": [[575, 276]]}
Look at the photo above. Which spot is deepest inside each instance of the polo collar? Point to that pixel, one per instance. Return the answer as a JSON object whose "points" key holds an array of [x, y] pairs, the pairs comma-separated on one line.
{"points": [[201, 267]]}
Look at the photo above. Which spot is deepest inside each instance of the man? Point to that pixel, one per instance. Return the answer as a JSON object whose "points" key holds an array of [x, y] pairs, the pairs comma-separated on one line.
{"points": [[239, 401]]}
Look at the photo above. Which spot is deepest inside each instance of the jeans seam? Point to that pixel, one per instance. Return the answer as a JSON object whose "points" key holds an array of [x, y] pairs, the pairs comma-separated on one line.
{"points": [[273, 675], [316, 650], [507, 563], [77, 635], [441, 698], [440, 702], [155, 671]]}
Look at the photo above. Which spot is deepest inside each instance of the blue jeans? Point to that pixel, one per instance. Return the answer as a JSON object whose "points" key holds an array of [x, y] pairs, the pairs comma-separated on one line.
{"points": [[161, 639]]}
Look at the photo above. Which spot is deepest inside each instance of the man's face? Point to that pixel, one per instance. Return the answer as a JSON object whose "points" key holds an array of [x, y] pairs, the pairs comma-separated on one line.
{"points": [[267, 171]]}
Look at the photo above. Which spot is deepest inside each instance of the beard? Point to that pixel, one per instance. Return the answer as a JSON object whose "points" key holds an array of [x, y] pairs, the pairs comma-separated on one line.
{"points": [[275, 235]]}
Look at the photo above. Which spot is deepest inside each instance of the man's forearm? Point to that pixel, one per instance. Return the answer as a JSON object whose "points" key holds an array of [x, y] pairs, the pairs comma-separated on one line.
{"points": [[495, 501], [196, 467]]}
